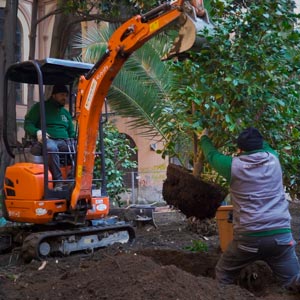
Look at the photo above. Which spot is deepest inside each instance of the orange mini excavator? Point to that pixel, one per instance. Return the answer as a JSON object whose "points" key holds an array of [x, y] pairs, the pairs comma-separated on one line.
{"points": [[75, 219]]}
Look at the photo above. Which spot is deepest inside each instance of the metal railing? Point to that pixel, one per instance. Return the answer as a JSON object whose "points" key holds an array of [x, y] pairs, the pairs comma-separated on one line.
{"points": [[144, 187]]}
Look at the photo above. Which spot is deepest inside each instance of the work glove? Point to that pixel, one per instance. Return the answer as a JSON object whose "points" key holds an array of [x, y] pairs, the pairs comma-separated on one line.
{"points": [[202, 133], [39, 136]]}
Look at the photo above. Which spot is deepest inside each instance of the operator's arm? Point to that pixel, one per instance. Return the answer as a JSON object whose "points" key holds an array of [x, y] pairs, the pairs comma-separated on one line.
{"points": [[31, 121], [220, 162]]}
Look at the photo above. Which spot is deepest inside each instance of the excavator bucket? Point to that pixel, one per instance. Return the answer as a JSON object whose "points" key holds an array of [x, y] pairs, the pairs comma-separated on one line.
{"points": [[190, 24]]}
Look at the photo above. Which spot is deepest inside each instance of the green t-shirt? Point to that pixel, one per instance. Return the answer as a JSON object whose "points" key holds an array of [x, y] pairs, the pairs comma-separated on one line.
{"points": [[58, 121]]}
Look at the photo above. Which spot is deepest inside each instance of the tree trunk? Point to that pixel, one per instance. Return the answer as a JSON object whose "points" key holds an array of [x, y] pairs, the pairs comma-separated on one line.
{"points": [[198, 157], [198, 164], [7, 57]]}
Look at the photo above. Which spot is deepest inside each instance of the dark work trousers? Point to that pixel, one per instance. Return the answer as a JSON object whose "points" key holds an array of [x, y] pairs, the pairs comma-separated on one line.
{"points": [[278, 251], [57, 145]]}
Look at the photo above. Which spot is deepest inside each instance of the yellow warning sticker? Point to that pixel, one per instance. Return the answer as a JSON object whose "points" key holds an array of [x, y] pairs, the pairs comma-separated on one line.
{"points": [[79, 171], [154, 26]]}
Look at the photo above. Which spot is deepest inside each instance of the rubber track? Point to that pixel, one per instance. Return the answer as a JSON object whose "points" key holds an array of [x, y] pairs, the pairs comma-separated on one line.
{"points": [[30, 247]]}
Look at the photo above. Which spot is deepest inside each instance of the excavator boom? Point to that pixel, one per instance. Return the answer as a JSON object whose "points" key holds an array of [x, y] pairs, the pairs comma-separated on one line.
{"points": [[93, 87]]}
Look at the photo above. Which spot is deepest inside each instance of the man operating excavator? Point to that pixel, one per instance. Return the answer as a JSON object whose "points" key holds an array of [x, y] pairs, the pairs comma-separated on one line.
{"points": [[59, 128]]}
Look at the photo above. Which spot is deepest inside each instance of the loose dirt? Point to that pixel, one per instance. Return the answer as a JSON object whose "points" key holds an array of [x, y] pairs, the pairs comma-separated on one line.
{"points": [[159, 265]]}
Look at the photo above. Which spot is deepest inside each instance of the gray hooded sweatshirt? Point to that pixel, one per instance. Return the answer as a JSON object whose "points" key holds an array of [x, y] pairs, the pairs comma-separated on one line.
{"points": [[257, 193]]}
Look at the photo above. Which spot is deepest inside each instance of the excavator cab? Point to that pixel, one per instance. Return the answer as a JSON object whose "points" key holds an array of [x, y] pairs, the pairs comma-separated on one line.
{"points": [[30, 168], [49, 228]]}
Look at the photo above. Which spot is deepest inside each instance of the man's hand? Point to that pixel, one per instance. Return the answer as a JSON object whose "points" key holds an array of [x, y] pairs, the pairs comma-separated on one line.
{"points": [[39, 136], [202, 133]]}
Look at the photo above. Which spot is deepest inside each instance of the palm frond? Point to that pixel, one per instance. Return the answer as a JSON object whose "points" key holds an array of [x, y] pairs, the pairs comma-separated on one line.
{"points": [[141, 86], [129, 98]]}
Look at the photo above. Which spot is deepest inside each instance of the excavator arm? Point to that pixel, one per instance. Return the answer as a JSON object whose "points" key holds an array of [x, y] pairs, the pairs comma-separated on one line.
{"points": [[93, 88]]}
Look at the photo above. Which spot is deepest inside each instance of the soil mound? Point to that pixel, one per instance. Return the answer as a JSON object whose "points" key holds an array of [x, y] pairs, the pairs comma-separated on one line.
{"points": [[157, 266], [121, 276]]}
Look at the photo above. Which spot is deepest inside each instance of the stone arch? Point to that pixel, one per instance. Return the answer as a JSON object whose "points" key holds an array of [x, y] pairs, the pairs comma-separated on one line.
{"points": [[24, 19]]}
